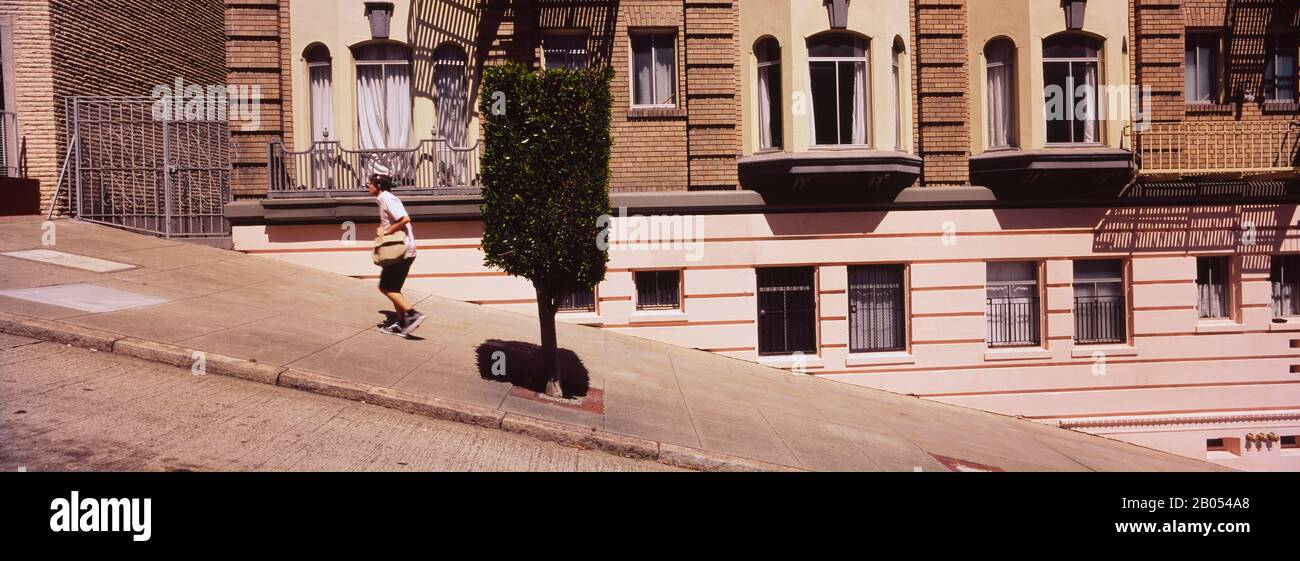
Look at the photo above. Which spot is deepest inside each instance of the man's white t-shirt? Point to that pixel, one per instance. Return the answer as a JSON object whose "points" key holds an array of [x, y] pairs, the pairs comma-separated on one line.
{"points": [[391, 210]]}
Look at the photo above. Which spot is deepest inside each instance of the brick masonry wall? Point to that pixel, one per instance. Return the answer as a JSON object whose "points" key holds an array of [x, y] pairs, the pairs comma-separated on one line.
{"points": [[33, 81], [942, 91], [127, 47], [257, 53], [1160, 28]]}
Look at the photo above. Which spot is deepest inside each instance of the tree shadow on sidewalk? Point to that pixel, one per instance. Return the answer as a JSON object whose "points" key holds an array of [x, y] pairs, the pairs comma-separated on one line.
{"points": [[519, 363]]}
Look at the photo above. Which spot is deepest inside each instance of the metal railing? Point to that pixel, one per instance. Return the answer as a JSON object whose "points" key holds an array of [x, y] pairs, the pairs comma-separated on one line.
{"points": [[1099, 319], [13, 152], [433, 167], [1014, 322], [1203, 148]]}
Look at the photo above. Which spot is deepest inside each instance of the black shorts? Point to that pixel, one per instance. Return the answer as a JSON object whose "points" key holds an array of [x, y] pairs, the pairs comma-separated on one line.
{"points": [[394, 276]]}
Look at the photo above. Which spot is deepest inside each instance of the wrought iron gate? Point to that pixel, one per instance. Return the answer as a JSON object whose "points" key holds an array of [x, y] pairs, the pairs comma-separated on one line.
{"points": [[147, 172]]}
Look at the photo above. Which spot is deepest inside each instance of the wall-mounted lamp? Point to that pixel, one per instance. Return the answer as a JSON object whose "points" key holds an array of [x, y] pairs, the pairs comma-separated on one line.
{"points": [[1074, 10], [380, 15], [839, 13]]}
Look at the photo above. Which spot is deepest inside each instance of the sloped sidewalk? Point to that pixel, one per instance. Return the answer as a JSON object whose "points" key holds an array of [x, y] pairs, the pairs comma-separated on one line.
{"points": [[280, 323]]}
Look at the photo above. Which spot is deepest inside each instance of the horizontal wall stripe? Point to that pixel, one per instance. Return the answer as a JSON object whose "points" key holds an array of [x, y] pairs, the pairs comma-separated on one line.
{"points": [[615, 298], [1168, 412], [1167, 281], [951, 342], [360, 246], [675, 323], [1164, 308], [1060, 363], [1108, 388], [732, 350], [950, 315], [943, 288], [722, 295], [503, 302], [834, 318], [1193, 333]]}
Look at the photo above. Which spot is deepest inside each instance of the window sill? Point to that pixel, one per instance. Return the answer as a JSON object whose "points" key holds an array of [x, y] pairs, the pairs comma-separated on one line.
{"points": [[792, 361], [581, 318], [1017, 353], [656, 113], [891, 358], [1086, 351], [1219, 326], [1280, 106], [656, 316], [1208, 107], [1290, 324]]}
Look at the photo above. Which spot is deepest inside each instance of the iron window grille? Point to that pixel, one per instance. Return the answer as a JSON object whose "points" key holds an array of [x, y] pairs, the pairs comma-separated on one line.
{"points": [[1100, 310], [581, 300], [1013, 305], [1212, 287], [787, 308], [876, 308], [658, 290], [1284, 276]]}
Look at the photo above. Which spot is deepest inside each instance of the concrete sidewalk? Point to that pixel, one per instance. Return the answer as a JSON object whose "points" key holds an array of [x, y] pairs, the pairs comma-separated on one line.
{"points": [[316, 331]]}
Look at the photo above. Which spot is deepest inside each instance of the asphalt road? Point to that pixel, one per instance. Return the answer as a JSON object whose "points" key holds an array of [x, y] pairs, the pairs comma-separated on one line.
{"points": [[70, 409]]}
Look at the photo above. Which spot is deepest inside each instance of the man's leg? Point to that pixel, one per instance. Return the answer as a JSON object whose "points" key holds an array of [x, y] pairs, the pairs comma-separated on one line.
{"points": [[399, 305]]}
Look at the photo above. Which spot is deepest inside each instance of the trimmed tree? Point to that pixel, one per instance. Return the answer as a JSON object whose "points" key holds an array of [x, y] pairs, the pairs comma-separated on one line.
{"points": [[546, 184]]}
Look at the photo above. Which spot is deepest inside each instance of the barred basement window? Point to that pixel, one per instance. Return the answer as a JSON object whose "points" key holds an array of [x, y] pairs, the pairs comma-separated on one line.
{"points": [[658, 290], [876, 308], [581, 300], [1100, 313], [1013, 316], [1212, 284], [1284, 276], [787, 309]]}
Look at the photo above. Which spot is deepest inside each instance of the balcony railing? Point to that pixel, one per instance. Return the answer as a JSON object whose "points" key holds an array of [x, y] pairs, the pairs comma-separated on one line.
{"points": [[433, 167], [1099, 319], [1209, 148], [1013, 322]]}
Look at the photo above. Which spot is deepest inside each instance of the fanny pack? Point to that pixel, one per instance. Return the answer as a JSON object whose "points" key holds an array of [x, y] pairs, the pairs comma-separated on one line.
{"points": [[390, 249]]}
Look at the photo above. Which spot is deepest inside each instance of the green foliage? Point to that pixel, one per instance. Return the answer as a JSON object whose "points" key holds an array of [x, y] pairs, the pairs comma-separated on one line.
{"points": [[545, 173]]}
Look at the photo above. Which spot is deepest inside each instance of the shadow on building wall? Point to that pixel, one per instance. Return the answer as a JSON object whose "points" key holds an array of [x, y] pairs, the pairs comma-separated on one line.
{"points": [[493, 31]]}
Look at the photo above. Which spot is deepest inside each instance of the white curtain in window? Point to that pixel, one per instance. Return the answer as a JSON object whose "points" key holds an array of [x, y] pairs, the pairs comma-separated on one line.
{"points": [[664, 69], [451, 82], [859, 103], [898, 102], [1000, 98], [371, 119], [397, 110], [322, 101], [322, 121], [1090, 126], [764, 107], [642, 60]]}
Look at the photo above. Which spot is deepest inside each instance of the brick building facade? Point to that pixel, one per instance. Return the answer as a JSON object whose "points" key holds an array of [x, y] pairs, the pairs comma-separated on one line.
{"points": [[67, 48]]}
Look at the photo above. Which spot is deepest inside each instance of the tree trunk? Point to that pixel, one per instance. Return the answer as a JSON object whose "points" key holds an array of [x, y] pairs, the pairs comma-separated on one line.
{"points": [[546, 315]]}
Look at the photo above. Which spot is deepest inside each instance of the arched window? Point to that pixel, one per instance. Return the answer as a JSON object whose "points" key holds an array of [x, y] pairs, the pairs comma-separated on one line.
{"points": [[1071, 71], [320, 73], [897, 89], [384, 96], [837, 68], [768, 53], [449, 76], [1000, 94]]}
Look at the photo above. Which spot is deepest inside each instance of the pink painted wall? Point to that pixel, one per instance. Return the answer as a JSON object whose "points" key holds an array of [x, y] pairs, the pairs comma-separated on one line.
{"points": [[1173, 366]]}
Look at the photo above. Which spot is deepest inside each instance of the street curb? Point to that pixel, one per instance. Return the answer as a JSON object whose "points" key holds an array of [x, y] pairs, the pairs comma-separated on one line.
{"points": [[702, 460], [425, 406], [67, 334], [393, 399], [213, 363], [569, 435]]}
